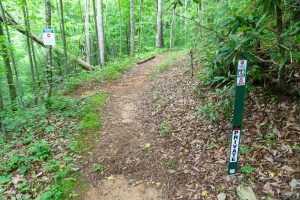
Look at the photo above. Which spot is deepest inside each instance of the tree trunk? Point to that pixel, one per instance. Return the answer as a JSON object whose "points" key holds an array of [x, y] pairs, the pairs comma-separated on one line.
{"points": [[32, 68], [80, 10], [9, 76], [185, 20], [97, 33], [132, 28], [18, 82], [121, 32], [48, 50], [38, 40], [101, 33], [140, 24], [159, 31], [172, 30], [1, 107], [87, 32], [199, 16], [32, 44], [63, 34], [279, 21], [202, 16]]}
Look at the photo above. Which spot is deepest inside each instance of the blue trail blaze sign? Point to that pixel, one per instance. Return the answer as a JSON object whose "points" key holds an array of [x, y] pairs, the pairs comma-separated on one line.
{"points": [[237, 116]]}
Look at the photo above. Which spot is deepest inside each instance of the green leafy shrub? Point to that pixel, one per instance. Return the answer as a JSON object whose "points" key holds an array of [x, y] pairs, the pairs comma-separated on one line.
{"points": [[245, 150], [222, 108], [42, 150], [165, 128], [247, 170]]}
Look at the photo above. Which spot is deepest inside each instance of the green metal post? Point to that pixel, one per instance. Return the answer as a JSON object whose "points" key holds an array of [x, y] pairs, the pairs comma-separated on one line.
{"points": [[237, 116]]}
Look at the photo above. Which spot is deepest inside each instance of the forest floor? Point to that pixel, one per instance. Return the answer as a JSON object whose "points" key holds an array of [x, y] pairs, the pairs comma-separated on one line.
{"points": [[154, 144]]}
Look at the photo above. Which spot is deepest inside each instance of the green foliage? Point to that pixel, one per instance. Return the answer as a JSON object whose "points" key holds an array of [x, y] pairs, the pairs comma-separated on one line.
{"points": [[245, 150], [97, 168], [165, 128], [212, 145], [247, 170], [41, 150], [271, 140], [222, 108], [91, 118], [167, 62], [170, 165]]}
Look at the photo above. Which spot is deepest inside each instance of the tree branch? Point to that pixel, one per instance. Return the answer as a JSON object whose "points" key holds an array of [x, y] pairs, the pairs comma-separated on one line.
{"points": [[10, 21]]}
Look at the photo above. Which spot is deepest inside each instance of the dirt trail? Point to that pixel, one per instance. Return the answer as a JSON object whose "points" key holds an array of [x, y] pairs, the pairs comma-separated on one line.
{"points": [[120, 139]]}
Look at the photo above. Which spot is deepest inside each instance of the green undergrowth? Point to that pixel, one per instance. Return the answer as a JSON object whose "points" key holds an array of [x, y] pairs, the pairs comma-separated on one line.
{"points": [[166, 63], [111, 71], [90, 122], [92, 119], [40, 148]]}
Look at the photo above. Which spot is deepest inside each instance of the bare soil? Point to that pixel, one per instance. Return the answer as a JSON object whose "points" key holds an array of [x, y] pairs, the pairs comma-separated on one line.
{"points": [[121, 138]]}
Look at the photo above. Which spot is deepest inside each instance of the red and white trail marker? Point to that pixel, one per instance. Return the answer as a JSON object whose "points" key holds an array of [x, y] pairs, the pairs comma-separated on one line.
{"points": [[49, 37]]}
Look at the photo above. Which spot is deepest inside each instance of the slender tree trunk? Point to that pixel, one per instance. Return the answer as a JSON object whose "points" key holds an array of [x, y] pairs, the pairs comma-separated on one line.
{"points": [[32, 44], [97, 33], [127, 39], [185, 20], [279, 21], [18, 82], [80, 10], [199, 16], [121, 32], [48, 50], [140, 24], [172, 30], [132, 28], [63, 34], [87, 32], [1, 108], [202, 16], [159, 31], [101, 33], [33, 75], [9, 75]]}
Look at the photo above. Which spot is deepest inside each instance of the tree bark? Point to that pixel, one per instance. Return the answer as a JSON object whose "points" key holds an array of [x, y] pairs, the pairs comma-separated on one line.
{"points": [[185, 20], [172, 30], [132, 28], [101, 33], [87, 32], [202, 16], [48, 50], [199, 16], [159, 31], [1, 107], [32, 44], [63, 34], [121, 32], [97, 33], [281, 71], [38, 40], [9, 75], [18, 82], [32, 68], [140, 24]]}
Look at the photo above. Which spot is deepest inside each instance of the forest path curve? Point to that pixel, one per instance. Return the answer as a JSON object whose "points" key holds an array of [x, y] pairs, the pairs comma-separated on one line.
{"points": [[120, 137]]}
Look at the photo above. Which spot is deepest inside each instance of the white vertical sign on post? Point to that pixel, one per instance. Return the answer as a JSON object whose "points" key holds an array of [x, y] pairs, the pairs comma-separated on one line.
{"points": [[49, 37]]}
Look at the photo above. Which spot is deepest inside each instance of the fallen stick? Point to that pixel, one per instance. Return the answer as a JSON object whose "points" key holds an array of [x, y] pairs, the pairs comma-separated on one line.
{"points": [[144, 61]]}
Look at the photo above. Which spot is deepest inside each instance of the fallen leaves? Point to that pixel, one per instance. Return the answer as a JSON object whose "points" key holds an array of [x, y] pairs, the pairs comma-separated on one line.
{"points": [[110, 178], [200, 149]]}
